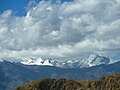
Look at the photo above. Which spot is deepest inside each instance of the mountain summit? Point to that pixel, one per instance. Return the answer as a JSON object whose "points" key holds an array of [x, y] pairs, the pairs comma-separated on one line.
{"points": [[91, 60], [95, 59]]}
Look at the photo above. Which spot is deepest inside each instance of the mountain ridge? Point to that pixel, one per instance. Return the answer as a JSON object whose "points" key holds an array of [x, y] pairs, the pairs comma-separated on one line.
{"points": [[15, 74], [109, 82], [91, 60]]}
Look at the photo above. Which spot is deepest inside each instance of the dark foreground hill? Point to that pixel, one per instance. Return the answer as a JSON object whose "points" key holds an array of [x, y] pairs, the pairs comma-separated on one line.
{"points": [[13, 75], [110, 82]]}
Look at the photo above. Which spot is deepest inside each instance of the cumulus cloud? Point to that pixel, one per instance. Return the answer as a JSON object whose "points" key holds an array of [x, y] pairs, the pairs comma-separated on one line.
{"points": [[62, 30]]}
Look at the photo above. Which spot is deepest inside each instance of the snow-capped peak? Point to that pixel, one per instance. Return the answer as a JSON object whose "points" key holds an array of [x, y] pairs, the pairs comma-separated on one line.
{"points": [[47, 63], [95, 59], [92, 57], [91, 60], [37, 61], [32, 61]]}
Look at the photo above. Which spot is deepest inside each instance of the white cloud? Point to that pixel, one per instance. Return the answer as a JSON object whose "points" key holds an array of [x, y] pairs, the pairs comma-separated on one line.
{"points": [[67, 30]]}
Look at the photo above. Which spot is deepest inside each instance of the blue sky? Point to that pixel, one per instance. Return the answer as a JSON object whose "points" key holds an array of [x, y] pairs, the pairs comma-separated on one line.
{"points": [[18, 6]]}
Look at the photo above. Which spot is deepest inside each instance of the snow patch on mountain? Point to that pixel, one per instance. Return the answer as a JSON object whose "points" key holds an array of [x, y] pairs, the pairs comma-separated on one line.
{"points": [[91, 60], [47, 63], [38, 61], [33, 61], [95, 59]]}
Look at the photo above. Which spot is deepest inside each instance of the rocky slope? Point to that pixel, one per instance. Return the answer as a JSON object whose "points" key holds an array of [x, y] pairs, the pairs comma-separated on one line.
{"points": [[110, 82]]}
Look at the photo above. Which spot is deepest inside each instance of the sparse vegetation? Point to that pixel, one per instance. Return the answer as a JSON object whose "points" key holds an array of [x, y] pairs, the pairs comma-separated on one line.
{"points": [[110, 82]]}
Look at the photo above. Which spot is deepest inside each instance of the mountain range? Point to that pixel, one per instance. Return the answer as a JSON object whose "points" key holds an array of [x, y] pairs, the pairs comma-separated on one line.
{"points": [[14, 74], [91, 60]]}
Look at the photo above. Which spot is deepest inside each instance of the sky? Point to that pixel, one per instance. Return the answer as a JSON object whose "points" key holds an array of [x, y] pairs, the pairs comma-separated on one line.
{"points": [[18, 6], [33, 28]]}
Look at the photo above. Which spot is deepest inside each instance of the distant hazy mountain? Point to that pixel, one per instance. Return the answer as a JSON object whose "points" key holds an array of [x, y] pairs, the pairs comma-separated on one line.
{"points": [[15, 74], [1, 60], [110, 82], [91, 60]]}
